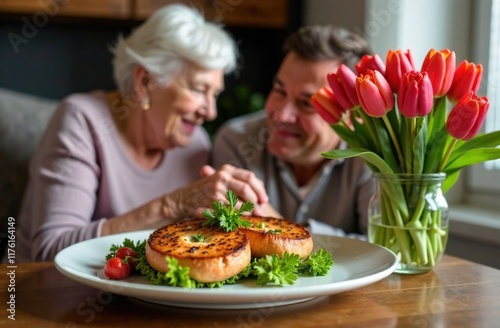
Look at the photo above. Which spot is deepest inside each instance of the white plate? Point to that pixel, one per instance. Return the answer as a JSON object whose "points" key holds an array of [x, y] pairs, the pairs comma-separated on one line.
{"points": [[356, 264]]}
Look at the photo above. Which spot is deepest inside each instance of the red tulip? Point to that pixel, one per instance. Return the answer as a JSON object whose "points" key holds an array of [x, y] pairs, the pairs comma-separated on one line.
{"points": [[467, 77], [397, 64], [343, 84], [326, 105], [415, 96], [368, 62], [440, 65], [374, 93], [467, 116]]}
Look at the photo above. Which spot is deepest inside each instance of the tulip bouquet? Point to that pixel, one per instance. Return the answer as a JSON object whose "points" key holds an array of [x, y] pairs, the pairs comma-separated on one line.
{"points": [[408, 123]]}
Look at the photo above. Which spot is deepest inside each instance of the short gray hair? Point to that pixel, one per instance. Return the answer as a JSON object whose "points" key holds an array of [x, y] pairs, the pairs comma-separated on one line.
{"points": [[170, 38]]}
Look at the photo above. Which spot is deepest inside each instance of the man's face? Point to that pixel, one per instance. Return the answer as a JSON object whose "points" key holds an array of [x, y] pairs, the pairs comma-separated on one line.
{"points": [[298, 134]]}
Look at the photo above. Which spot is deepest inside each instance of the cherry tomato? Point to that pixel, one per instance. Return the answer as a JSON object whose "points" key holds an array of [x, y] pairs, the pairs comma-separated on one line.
{"points": [[123, 252], [116, 268]]}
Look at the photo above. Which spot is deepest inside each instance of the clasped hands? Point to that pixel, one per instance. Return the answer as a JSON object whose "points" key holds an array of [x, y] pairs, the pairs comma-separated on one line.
{"points": [[193, 199], [214, 185]]}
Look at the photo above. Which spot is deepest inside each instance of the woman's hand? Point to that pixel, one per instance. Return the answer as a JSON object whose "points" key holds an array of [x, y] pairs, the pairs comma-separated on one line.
{"points": [[257, 194], [266, 210], [242, 182], [191, 200]]}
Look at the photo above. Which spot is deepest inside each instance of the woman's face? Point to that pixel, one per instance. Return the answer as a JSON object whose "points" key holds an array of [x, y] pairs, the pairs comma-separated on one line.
{"points": [[181, 105]]}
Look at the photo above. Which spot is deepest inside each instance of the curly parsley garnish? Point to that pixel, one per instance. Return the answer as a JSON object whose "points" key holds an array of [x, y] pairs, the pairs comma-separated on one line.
{"points": [[126, 243], [317, 264], [198, 238], [226, 216], [276, 269], [177, 275]]}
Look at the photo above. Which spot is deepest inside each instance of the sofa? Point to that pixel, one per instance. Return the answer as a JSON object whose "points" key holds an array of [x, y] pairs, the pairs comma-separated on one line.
{"points": [[23, 118]]}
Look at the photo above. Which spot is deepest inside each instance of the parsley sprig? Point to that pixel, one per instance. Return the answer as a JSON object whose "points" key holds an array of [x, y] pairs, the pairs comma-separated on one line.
{"points": [[136, 246], [277, 270], [317, 264], [226, 216]]}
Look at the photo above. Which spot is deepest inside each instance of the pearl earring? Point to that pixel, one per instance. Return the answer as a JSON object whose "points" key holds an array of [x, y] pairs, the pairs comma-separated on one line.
{"points": [[145, 103]]}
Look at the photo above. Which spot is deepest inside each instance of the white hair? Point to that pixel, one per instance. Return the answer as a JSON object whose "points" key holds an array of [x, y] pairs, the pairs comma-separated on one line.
{"points": [[170, 38]]}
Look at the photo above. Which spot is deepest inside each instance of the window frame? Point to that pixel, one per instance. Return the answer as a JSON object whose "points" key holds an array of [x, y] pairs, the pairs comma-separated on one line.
{"points": [[482, 186]]}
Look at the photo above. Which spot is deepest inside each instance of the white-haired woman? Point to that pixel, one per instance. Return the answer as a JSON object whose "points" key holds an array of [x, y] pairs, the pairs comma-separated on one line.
{"points": [[131, 159]]}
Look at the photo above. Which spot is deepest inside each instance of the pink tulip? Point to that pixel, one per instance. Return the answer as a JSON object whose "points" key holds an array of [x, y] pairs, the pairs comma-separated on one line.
{"points": [[415, 96], [374, 93], [326, 105], [343, 84], [369, 62], [397, 64], [440, 65], [467, 77], [467, 116]]}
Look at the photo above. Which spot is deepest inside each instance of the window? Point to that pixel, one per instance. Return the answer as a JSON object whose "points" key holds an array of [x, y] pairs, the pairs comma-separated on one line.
{"points": [[482, 179]]}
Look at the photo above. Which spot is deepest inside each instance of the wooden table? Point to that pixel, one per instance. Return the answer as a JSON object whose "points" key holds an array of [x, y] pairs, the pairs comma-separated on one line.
{"points": [[457, 293]]}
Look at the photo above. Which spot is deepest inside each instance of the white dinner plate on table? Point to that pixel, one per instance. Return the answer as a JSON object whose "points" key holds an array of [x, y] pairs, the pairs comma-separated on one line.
{"points": [[356, 264]]}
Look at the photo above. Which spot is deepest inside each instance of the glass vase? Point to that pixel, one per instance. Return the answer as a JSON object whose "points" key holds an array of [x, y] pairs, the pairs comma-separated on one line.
{"points": [[408, 214]]}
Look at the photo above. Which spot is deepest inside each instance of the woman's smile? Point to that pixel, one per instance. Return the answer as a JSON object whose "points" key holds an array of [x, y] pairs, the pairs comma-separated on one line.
{"points": [[189, 126]]}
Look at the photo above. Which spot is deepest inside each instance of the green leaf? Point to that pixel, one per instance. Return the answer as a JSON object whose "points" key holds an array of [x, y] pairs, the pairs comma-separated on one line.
{"points": [[419, 146], [435, 149], [198, 238], [232, 198], [450, 180], [277, 270], [226, 216], [395, 117], [368, 156], [380, 165], [488, 140], [317, 264], [406, 145], [387, 151], [471, 157], [136, 246], [437, 117], [245, 207], [347, 135], [364, 130], [178, 276]]}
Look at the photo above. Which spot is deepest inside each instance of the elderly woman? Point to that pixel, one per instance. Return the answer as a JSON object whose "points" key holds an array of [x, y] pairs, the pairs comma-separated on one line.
{"points": [[131, 159]]}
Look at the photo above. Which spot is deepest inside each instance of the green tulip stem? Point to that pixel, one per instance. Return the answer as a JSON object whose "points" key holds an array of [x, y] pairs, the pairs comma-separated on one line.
{"points": [[413, 128], [420, 240], [395, 220], [393, 137], [413, 136], [447, 155], [417, 214], [367, 120], [429, 259]]}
